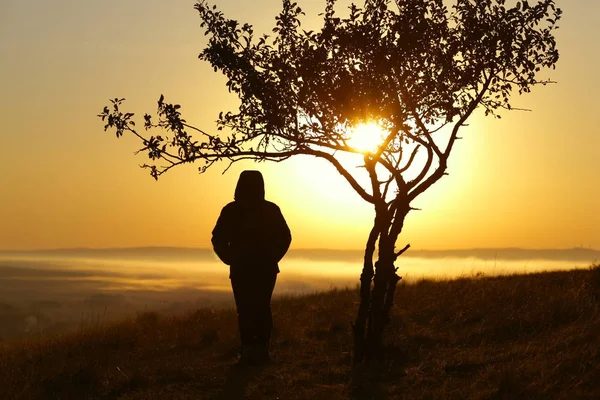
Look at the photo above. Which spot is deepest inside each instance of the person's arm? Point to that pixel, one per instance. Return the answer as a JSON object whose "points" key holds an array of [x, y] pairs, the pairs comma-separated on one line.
{"points": [[221, 236], [283, 236]]}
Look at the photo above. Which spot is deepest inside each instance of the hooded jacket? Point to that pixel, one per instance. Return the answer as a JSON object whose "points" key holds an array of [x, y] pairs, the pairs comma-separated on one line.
{"points": [[251, 235]]}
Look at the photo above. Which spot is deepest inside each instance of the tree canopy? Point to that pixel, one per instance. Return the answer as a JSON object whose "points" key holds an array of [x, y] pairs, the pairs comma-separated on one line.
{"points": [[414, 67]]}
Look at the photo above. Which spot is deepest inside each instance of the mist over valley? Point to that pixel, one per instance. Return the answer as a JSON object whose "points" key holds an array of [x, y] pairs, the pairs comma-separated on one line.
{"points": [[44, 292]]}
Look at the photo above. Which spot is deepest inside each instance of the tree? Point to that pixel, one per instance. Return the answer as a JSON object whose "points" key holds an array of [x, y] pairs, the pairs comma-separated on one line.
{"points": [[417, 68]]}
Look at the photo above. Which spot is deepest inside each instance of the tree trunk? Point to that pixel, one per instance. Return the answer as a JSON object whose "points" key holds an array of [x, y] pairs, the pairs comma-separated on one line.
{"points": [[359, 327], [376, 302], [382, 300]]}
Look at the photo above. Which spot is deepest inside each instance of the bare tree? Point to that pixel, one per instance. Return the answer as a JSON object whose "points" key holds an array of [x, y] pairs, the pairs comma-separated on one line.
{"points": [[416, 68]]}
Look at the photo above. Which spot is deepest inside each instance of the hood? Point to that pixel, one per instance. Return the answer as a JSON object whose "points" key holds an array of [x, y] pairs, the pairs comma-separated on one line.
{"points": [[250, 187]]}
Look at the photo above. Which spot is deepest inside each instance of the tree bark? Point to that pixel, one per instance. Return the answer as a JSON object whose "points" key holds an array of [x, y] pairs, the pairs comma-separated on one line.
{"points": [[359, 327], [376, 302], [384, 284]]}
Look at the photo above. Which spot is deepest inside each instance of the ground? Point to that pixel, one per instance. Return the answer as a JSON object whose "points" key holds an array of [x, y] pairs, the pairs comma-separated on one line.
{"points": [[513, 337]]}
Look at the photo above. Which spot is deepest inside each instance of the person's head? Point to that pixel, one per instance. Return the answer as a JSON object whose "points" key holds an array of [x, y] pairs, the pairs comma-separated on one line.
{"points": [[250, 187]]}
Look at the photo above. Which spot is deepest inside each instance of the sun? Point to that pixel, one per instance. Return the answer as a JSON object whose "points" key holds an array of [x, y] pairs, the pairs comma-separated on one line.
{"points": [[366, 137]]}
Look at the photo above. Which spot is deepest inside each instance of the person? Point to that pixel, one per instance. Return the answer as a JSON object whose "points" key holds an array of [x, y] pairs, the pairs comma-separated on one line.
{"points": [[252, 236]]}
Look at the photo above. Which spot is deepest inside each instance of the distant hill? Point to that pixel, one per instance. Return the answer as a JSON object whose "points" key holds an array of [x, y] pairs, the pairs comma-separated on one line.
{"points": [[575, 254], [170, 253], [120, 253]]}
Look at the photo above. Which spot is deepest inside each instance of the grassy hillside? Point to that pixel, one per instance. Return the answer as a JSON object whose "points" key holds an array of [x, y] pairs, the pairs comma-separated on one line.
{"points": [[516, 337]]}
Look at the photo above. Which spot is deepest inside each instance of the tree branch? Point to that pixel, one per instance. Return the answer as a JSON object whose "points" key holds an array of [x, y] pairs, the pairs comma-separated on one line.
{"points": [[410, 160], [441, 170], [466, 115], [398, 254]]}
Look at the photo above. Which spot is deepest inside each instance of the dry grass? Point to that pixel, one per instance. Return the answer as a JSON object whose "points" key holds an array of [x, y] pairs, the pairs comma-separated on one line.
{"points": [[516, 337]]}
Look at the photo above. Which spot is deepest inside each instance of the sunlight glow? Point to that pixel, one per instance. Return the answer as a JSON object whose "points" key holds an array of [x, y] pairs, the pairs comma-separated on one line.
{"points": [[367, 137]]}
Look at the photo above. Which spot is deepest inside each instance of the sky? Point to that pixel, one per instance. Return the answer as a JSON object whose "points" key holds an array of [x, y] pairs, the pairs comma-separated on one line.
{"points": [[528, 180]]}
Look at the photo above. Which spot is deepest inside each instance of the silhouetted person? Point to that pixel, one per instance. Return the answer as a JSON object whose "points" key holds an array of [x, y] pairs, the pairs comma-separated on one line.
{"points": [[251, 236]]}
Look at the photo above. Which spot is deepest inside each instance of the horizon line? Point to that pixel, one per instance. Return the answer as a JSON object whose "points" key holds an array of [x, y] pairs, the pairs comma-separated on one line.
{"points": [[292, 249]]}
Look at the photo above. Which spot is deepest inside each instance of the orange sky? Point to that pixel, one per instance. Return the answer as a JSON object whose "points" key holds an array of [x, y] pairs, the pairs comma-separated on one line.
{"points": [[528, 180]]}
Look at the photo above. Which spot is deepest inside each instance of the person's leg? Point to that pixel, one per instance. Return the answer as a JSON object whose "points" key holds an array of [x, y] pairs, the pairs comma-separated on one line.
{"points": [[263, 313], [243, 293]]}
